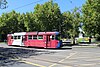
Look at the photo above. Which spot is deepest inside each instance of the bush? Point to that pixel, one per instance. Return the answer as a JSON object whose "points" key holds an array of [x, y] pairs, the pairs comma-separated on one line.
{"points": [[97, 37]]}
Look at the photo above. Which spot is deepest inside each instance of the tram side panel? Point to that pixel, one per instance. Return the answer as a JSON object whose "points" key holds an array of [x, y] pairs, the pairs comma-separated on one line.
{"points": [[35, 41], [44, 41], [52, 42], [9, 40], [55, 44]]}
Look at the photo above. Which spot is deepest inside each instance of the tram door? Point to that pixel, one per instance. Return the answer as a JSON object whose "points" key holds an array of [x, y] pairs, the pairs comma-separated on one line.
{"points": [[48, 41], [23, 40], [17, 40]]}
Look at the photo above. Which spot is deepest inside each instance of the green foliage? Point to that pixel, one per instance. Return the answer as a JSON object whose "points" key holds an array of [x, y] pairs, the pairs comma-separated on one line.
{"points": [[91, 17], [71, 23], [11, 22], [48, 16]]}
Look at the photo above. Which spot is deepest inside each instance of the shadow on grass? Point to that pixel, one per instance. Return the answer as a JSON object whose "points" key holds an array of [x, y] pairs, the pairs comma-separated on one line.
{"points": [[10, 56]]}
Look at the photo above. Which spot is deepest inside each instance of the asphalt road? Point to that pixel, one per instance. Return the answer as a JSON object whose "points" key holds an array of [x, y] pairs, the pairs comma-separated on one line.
{"points": [[12, 56]]}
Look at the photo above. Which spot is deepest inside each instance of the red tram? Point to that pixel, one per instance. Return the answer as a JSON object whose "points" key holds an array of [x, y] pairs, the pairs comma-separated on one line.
{"points": [[35, 39]]}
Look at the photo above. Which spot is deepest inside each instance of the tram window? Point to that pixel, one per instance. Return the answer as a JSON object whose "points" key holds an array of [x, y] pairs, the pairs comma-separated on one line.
{"points": [[19, 37], [34, 37], [40, 37], [29, 36], [57, 37], [53, 37], [11, 37], [15, 37]]}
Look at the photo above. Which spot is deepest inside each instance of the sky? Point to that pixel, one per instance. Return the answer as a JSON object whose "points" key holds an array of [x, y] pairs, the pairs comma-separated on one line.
{"points": [[24, 6]]}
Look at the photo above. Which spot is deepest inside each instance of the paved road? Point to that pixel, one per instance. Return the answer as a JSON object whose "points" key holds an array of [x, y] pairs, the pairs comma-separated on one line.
{"points": [[75, 57]]}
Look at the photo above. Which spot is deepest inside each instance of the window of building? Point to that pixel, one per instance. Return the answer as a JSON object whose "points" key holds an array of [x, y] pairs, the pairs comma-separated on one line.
{"points": [[40, 37]]}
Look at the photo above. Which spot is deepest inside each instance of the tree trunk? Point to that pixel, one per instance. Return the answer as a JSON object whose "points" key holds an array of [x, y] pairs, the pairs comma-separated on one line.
{"points": [[73, 40]]}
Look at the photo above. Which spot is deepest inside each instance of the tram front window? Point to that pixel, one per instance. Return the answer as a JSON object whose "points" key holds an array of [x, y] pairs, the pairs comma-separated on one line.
{"points": [[55, 37]]}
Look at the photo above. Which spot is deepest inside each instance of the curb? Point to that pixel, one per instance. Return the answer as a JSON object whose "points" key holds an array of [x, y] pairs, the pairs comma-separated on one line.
{"points": [[86, 46]]}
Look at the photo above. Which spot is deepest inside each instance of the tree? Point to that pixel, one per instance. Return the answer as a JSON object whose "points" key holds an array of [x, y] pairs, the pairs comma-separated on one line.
{"points": [[21, 25], [91, 17], [29, 22], [66, 25], [48, 16], [71, 23], [9, 23]]}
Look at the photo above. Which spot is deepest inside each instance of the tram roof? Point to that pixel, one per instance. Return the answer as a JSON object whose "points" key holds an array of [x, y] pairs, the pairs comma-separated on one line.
{"points": [[42, 33], [35, 33], [20, 33]]}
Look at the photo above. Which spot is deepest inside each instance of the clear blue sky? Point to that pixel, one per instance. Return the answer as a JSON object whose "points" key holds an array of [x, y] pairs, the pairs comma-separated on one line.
{"points": [[65, 5]]}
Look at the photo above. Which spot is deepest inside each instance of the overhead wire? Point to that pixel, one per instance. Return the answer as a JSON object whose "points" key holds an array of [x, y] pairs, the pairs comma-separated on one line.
{"points": [[27, 4], [7, 11], [31, 4]]}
